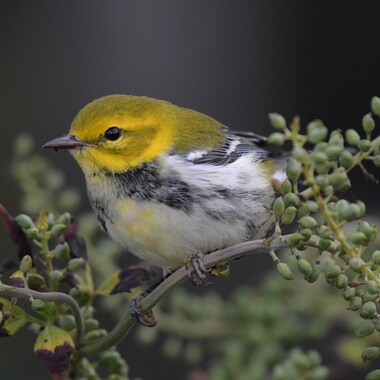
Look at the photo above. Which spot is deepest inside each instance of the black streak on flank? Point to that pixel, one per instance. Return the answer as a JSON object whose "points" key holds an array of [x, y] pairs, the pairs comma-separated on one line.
{"points": [[145, 184]]}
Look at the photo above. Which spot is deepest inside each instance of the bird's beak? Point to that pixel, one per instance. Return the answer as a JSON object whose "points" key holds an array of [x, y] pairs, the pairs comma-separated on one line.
{"points": [[66, 142]]}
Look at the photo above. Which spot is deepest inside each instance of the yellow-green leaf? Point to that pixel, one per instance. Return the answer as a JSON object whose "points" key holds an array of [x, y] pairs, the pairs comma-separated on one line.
{"points": [[54, 347]]}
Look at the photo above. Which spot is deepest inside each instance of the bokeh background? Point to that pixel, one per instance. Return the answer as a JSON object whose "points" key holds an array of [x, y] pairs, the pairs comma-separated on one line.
{"points": [[234, 60]]}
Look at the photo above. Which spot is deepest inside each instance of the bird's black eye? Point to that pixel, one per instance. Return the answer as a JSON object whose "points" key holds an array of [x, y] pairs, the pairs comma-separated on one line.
{"points": [[112, 133]]}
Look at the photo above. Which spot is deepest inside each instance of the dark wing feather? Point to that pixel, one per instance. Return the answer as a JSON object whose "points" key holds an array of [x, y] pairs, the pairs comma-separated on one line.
{"points": [[235, 145]]}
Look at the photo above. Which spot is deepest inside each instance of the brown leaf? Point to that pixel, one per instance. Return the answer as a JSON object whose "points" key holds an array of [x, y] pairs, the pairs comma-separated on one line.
{"points": [[20, 240], [134, 276], [76, 242]]}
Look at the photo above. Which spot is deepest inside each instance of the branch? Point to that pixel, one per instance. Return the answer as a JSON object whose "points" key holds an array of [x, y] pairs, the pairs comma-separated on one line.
{"points": [[12, 291], [179, 276]]}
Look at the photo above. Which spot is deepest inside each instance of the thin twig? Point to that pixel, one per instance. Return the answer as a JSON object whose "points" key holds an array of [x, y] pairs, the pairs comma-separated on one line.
{"points": [[12, 291], [179, 276]]}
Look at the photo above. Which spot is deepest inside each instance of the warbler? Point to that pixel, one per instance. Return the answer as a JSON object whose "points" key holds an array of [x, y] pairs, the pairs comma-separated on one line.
{"points": [[168, 182]]}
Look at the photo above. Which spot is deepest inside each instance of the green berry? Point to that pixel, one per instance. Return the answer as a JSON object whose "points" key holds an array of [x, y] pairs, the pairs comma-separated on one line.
{"points": [[352, 137], [289, 215], [56, 275], [375, 105], [348, 293], [67, 322], [304, 267], [368, 123], [319, 157], [285, 271], [322, 181], [372, 287], [346, 159], [314, 276], [376, 257], [38, 305], [355, 303], [369, 230], [32, 233], [317, 134], [333, 152], [362, 206], [75, 264], [299, 153], [370, 353], [324, 232], [367, 296], [327, 264], [321, 147], [62, 251], [341, 281], [336, 139], [364, 329], [24, 221], [64, 219], [278, 207], [306, 233], [295, 239], [276, 139], [286, 187], [324, 244], [95, 334], [339, 180], [328, 190], [350, 213], [26, 264], [57, 230], [358, 238], [277, 121], [293, 169], [333, 272], [364, 145], [308, 222], [355, 265], [320, 373], [291, 199], [91, 324], [373, 375], [323, 168], [341, 205], [368, 310]]}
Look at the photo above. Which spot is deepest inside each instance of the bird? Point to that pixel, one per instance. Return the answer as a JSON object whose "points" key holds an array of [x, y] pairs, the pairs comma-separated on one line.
{"points": [[166, 182]]}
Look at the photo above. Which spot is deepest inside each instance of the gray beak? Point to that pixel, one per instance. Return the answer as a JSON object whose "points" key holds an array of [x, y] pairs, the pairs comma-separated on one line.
{"points": [[65, 142]]}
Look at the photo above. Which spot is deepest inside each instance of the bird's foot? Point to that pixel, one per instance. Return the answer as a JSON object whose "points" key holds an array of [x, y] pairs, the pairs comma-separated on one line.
{"points": [[147, 318], [195, 261], [222, 270]]}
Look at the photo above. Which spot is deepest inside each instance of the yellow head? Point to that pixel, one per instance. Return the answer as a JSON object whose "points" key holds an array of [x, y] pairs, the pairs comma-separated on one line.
{"points": [[120, 132]]}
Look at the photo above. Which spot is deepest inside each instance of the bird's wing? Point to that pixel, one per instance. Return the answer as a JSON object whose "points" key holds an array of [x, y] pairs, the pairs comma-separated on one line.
{"points": [[235, 145]]}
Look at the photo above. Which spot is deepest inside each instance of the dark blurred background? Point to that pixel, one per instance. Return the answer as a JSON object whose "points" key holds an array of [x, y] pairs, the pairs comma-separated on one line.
{"points": [[234, 60]]}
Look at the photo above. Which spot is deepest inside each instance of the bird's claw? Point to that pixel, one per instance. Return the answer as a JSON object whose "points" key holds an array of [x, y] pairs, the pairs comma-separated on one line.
{"points": [[195, 261], [146, 319]]}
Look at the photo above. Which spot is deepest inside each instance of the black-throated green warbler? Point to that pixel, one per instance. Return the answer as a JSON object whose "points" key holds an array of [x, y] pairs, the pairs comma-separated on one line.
{"points": [[168, 182]]}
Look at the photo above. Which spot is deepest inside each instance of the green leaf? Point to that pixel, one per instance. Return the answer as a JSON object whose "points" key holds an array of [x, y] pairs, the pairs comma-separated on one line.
{"points": [[14, 318]]}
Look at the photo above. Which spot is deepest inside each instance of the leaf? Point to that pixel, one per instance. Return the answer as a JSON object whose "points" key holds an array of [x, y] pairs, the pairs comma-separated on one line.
{"points": [[15, 318], [7, 265], [20, 240], [54, 347], [127, 279], [36, 282], [17, 279], [76, 242]]}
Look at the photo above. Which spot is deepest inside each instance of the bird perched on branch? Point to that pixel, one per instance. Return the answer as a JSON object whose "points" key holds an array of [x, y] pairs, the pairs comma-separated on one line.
{"points": [[168, 182]]}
